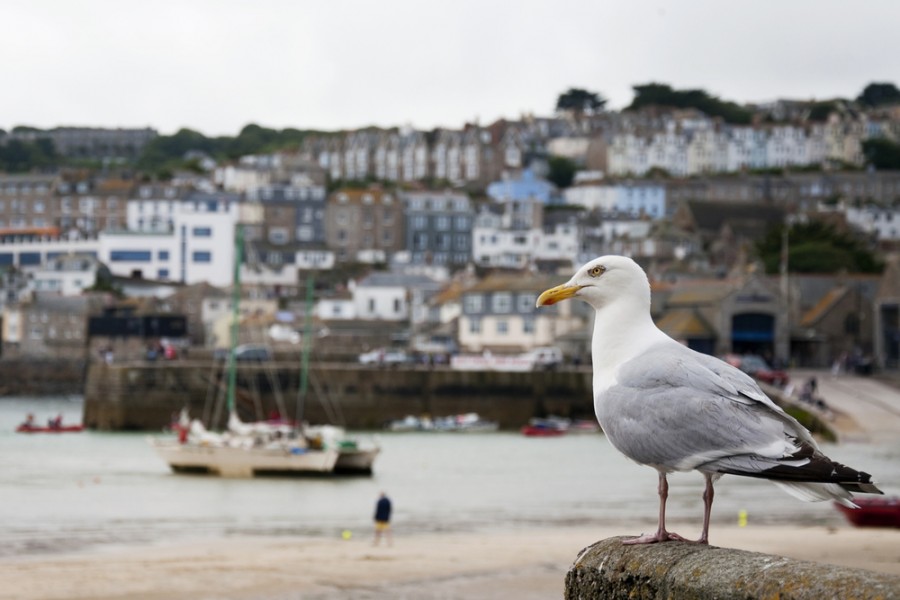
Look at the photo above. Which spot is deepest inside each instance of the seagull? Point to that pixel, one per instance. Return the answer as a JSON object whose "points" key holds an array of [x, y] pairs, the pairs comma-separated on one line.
{"points": [[666, 406]]}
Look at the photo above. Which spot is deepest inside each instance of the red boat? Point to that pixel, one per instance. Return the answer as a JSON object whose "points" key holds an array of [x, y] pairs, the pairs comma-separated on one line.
{"points": [[539, 431], [23, 428], [873, 512]]}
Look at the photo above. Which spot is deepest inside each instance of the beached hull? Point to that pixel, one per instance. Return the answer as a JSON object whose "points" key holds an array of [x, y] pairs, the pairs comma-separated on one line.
{"points": [[352, 461], [227, 461], [63, 429], [873, 512]]}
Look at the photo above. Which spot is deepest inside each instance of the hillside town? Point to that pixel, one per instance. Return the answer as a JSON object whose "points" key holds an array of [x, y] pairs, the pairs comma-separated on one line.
{"points": [[438, 242]]}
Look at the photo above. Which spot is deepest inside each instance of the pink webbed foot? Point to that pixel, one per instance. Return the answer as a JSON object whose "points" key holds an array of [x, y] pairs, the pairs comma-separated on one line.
{"points": [[661, 536]]}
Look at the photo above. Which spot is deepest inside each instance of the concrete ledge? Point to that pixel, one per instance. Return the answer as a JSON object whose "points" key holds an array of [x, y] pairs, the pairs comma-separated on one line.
{"points": [[609, 569]]}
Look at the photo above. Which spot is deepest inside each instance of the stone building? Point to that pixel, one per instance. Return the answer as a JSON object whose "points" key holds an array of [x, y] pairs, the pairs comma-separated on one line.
{"points": [[364, 225]]}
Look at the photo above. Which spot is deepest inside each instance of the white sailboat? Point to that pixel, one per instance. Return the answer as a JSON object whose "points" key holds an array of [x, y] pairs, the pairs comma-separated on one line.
{"points": [[248, 449]]}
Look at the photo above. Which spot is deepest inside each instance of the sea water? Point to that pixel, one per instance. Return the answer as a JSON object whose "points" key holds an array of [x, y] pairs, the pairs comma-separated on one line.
{"points": [[70, 492]]}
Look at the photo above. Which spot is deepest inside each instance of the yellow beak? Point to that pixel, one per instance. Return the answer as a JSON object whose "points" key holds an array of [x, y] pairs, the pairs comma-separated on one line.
{"points": [[554, 295]]}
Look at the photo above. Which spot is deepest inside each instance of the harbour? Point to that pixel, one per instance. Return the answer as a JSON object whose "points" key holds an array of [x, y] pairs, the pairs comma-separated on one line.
{"points": [[71, 492]]}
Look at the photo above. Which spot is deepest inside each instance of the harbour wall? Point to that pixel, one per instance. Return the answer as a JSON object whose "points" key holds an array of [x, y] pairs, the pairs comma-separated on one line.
{"points": [[146, 396], [609, 569], [41, 377]]}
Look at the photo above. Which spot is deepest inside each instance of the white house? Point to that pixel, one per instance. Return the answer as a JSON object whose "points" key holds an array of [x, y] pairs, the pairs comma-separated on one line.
{"points": [[632, 198], [198, 246], [499, 315], [388, 296], [66, 275], [883, 222], [496, 246]]}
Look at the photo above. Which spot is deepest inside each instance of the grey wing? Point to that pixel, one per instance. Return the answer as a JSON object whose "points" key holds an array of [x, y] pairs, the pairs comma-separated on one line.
{"points": [[674, 409]]}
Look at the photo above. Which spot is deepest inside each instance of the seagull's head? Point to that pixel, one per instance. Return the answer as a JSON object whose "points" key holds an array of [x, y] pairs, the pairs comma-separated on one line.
{"points": [[601, 281]]}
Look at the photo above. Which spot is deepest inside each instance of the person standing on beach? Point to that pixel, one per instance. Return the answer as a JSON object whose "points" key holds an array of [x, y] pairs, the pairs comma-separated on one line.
{"points": [[383, 519]]}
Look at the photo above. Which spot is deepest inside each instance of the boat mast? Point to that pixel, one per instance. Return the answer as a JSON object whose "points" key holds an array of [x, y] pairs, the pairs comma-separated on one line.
{"points": [[235, 314], [307, 344]]}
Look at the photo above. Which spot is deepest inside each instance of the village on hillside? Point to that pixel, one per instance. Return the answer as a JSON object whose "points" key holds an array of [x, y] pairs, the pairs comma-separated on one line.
{"points": [[766, 230]]}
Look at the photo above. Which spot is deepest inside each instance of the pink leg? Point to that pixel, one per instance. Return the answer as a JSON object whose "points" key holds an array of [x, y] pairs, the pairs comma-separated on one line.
{"points": [[661, 534], [708, 494]]}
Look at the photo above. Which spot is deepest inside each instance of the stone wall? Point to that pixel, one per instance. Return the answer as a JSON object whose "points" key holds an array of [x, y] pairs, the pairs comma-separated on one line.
{"points": [[41, 377], [146, 395], [609, 569]]}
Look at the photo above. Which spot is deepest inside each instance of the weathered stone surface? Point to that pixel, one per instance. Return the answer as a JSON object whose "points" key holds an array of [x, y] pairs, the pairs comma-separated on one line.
{"points": [[609, 569]]}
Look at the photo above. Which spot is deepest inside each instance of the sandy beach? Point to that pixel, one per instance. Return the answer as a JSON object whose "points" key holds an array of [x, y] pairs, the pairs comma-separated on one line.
{"points": [[527, 564]]}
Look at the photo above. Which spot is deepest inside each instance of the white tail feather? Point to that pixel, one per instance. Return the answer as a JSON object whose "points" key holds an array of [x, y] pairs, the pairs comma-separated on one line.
{"points": [[817, 492]]}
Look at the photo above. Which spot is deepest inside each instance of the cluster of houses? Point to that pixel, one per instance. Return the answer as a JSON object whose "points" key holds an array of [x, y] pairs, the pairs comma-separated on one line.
{"points": [[448, 251]]}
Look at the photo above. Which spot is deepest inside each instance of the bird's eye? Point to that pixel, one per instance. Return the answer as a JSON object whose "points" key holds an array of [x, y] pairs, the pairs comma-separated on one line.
{"points": [[596, 271]]}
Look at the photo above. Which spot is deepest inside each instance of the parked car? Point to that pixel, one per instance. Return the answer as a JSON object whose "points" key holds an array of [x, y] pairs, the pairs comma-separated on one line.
{"points": [[756, 367], [545, 357], [253, 353], [384, 356]]}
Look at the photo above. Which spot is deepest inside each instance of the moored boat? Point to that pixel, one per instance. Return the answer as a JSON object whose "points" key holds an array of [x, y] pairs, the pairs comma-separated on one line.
{"points": [[873, 512], [249, 449], [546, 427], [24, 428], [246, 449]]}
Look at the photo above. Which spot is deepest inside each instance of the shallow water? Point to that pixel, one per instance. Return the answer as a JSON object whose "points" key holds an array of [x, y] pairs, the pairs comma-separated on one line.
{"points": [[69, 492]]}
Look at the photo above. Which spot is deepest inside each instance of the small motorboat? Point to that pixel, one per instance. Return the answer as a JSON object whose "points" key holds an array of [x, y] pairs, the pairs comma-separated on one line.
{"points": [[536, 431], [23, 428], [549, 427], [873, 512]]}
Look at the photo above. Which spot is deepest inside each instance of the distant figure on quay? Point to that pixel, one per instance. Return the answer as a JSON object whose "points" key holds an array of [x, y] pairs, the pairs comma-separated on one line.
{"points": [[383, 519]]}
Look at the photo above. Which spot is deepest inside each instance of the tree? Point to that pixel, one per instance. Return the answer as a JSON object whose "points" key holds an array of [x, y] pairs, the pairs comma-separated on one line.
{"points": [[17, 156], [580, 101], [876, 94], [660, 94], [562, 171], [816, 247], [881, 153]]}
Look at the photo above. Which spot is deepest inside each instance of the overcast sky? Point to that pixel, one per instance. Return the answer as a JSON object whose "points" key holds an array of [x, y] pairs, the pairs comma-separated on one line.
{"points": [[217, 65]]}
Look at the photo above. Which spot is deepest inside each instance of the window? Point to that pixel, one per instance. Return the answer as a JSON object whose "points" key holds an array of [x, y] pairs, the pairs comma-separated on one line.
{"points": [[162, 255], [527, 302], [398, 306], [502, 327], [29, 258], [501, 302], [202, 232], [528, 325], [278, 235], [371, 305], [130, 256], [202, 256], [474, 325], [473, 303]]}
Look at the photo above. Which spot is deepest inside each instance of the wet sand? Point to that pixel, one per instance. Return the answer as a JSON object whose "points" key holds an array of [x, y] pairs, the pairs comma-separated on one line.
{"points": [[522, 564]]}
